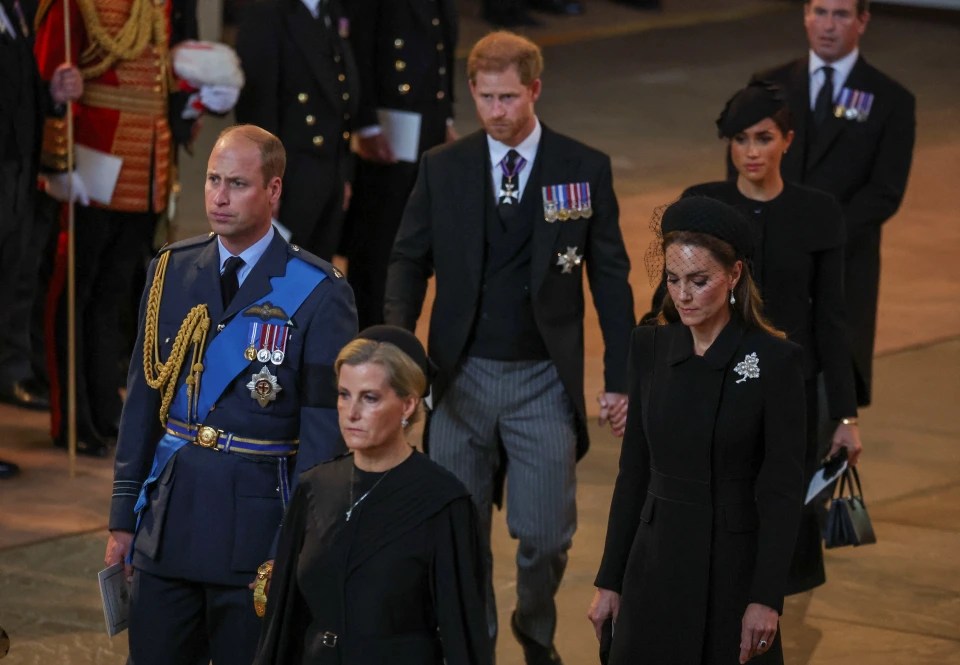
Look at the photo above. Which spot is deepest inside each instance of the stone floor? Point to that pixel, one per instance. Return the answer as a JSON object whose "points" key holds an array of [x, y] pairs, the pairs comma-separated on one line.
{"points": [[645, 88]]}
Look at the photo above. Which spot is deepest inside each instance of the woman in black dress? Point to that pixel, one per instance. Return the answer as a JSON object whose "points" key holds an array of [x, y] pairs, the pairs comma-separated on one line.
{"points": [[378, 559], [798, 265], [707, 502]]}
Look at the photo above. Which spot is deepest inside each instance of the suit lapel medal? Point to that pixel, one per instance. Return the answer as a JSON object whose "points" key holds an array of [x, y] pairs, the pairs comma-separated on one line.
{"points": [[853, 104], [569, 260], [569, 201]]}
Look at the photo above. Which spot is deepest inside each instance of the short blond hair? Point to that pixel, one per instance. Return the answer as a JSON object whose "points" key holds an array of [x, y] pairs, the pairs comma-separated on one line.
{"points": [[273, 156], [499, 50], [403, 374]]}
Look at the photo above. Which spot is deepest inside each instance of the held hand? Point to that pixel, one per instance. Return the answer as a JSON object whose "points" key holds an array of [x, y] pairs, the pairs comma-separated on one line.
{"points": [[613, 409], [66, 187], [219, 98], [118, 548], [376, 149], [347, 195], [452, 134], [605, 605], [66, 84], [847, 436], [759, 627]]}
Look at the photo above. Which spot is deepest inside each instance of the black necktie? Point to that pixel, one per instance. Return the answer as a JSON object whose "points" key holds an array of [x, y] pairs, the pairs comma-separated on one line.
{"points": [[229, 283], [510, 166], [821, 109]]}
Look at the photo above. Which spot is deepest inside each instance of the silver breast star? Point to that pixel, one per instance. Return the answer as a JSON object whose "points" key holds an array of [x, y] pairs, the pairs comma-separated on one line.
{"points": [[570, 260], [263, 387]]}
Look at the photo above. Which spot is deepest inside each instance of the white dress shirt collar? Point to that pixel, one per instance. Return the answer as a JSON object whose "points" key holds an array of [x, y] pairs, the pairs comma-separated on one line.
{"points": [[841, 71], [313, 6], [250, 255]]}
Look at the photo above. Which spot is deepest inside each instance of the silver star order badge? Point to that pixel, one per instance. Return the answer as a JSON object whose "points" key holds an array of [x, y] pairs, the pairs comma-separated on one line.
{"points": [[570, 260], [263, 387], [748, 368]]}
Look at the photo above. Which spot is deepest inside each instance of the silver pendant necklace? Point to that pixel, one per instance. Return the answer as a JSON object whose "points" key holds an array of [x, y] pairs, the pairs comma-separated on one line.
{"points": [[354, 504]]}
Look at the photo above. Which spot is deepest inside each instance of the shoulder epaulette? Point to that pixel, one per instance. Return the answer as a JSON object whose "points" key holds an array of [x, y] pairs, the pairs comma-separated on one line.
{"points": [[188, 242], [299, 252]]}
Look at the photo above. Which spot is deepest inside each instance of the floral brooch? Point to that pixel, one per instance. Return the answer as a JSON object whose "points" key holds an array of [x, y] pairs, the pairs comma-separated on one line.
{"points": [[748, 368]]}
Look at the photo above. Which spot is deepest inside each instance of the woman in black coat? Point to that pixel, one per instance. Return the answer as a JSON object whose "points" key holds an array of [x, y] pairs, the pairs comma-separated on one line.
{"points": [[378, 559], [798, 265], [707, 502]]}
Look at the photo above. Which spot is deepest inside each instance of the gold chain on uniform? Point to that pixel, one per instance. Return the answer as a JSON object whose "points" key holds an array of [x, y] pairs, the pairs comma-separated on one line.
{"points": [[162, 376], [147, 19]]}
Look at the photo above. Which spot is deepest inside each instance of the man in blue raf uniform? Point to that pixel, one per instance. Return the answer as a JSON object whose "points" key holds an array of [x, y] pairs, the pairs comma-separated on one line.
{"points": [[234, 395]]}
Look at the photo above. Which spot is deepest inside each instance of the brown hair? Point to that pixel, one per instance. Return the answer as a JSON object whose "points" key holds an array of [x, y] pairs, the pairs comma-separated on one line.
{"points": [[273, 156], [403, 374], [499, 50], [749, 302]]}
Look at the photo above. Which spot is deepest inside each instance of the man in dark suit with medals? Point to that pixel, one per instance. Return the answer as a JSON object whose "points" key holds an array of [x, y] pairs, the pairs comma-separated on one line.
{"points": [[231, 395], [509, 219], [405, 53], [302, 85], [855, 131], [24, 100]]}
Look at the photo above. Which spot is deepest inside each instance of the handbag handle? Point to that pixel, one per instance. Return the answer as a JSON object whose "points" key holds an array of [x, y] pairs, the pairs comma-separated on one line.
{"points": [[845, 478]]}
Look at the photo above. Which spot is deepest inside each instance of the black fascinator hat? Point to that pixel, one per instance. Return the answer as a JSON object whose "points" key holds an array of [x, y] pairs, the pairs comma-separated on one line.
{"points": [[404, 340], [747, 107]]}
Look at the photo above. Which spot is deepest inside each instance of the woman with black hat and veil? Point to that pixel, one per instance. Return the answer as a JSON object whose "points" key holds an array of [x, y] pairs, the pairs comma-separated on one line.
{"points": [[707, 501], [378, 559], [798, 265]]}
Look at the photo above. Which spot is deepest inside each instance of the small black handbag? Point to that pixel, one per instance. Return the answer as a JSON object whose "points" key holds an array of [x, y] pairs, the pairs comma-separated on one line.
{"points": [[847, 520]]}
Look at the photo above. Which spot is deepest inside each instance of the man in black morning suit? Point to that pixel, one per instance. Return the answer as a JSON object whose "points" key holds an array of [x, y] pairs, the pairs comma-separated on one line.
{"points": [[301, 84], [508, 219], [405, 51], [856, 144], [231, 394]]}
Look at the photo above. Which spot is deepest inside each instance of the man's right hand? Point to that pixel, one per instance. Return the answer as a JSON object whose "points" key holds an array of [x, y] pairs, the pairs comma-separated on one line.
{"points": [[65, 187], [605, 605], [375, 148], [118, 547]]}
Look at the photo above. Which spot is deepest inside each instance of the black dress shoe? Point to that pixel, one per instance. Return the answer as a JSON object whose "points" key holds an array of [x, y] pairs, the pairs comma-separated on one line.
{"points": [[534, 653], [8, 469], [561, 7], [19, 393]]}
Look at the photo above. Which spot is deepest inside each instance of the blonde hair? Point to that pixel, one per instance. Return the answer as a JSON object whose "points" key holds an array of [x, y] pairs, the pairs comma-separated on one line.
{"points": [[403, 374], [500, 49]]}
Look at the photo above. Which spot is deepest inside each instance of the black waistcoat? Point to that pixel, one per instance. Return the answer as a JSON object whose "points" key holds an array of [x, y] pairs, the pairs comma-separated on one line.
{"points": [[505, 328]]}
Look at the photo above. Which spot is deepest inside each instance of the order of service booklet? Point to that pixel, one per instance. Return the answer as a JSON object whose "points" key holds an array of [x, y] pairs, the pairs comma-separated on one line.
{"points": [[115, 593]]}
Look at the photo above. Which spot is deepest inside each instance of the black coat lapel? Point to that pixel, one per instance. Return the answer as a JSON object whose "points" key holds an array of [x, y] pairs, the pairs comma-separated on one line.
{"points": [[307, 33], [468, 206], [555, 169]]}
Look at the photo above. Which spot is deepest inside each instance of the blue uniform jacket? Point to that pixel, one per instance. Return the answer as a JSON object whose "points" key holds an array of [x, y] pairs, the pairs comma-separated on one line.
{"points": [[212, 516]]}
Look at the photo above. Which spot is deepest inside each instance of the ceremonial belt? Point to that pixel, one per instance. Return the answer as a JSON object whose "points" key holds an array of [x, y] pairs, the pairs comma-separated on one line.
{"points": [[123, 99], [210, 437]]}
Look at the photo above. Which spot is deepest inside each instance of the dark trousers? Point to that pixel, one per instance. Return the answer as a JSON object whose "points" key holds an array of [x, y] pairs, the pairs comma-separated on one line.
{"points": [[174, 622], [17, 190], [111, 249], [379, 196]]}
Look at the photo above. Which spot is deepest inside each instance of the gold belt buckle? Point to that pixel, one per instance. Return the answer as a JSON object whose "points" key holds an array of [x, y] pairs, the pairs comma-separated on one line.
{"points": [[207, 436]]}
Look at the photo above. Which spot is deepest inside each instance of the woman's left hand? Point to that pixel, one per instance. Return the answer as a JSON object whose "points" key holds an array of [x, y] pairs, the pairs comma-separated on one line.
{"points": [[759, 627], [847, 436]]}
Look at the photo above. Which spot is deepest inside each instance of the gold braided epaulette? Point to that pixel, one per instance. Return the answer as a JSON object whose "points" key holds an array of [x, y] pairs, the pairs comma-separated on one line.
{"points": [[162, 375]]}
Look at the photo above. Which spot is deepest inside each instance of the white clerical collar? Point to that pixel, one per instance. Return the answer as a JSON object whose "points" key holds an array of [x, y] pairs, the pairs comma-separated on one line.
{"points": [[527, 147], [841, 67]]}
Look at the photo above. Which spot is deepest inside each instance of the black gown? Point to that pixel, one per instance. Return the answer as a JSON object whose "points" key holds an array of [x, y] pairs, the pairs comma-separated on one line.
{"points": [[798, 265], [400, 582]]}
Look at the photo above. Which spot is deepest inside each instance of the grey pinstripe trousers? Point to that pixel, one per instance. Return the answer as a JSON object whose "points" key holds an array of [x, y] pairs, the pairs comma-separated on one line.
{"points": [[523, 405]]}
